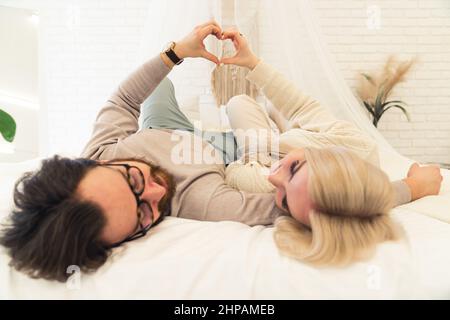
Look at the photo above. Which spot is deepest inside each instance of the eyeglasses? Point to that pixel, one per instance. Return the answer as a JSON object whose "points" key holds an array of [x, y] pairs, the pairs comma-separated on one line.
{"points": [[136, 181]]}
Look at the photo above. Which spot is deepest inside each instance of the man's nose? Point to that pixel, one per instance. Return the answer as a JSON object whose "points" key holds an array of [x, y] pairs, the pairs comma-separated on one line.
{"points": [[154, 192]]}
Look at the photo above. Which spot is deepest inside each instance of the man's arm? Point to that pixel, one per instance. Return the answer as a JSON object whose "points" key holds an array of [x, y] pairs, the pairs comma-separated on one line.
{"points": [[119, 117], [211, 199]]}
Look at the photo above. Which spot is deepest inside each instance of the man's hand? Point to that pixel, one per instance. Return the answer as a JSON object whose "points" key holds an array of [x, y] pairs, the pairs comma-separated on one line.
{"points": [[244, 56], [192, 45], [423, 181]]}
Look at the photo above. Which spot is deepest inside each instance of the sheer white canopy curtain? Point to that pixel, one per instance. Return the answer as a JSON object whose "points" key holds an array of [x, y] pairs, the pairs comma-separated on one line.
{"points": [[288, 37]]}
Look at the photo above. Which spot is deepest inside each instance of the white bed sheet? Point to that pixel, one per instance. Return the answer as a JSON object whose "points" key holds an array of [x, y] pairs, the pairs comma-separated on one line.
{"points": [[186, 259]]}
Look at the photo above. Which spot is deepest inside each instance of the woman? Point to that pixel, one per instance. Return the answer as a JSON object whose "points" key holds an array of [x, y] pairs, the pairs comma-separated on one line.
{"points": [[328, 177]]}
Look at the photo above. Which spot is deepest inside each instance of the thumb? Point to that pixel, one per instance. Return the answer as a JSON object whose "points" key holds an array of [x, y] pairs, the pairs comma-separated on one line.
{"points": [[413, 167], [210, 57], [231, 60]]}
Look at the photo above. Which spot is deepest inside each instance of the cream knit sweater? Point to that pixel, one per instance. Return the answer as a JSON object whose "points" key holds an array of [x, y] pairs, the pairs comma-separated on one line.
{"points": [[310, 125]]}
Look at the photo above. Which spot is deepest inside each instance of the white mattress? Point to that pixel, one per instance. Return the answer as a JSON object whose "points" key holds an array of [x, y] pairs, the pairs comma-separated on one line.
{"points": [[186, 259]]}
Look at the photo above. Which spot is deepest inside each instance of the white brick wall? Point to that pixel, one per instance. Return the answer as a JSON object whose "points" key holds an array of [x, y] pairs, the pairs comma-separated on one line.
{"points": [[85, 61], [408, 28]]}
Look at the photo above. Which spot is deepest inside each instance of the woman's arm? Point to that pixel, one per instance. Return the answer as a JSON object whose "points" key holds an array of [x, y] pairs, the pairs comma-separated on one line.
{"points": [[317, 126]]}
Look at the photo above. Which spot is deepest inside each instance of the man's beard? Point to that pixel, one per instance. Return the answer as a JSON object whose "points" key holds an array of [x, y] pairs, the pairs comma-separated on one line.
{"points": [[161, 177], [159, 174]]}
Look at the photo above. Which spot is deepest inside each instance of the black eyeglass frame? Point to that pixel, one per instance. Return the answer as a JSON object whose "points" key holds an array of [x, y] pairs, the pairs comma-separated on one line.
{"points": [[140, 233]]}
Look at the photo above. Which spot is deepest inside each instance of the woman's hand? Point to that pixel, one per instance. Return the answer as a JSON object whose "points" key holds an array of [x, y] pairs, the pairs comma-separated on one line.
{"points": [[192, 45], [244, 56], [423, 181]]}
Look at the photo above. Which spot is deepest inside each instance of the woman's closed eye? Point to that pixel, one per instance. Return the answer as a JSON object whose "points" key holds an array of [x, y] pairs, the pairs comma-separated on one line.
{"points": [[294, 168]]}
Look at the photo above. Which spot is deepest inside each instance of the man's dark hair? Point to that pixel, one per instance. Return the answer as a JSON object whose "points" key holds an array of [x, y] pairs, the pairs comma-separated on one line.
{"points": [[51, 228]]}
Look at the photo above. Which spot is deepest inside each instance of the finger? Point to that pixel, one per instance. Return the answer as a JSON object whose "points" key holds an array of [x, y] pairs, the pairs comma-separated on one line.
{"points": [[211, 29], [210, 22], [415, 165], [231, 34], [412, 168], [236, 45], [231, 60], [235, 41], [210, 57]]}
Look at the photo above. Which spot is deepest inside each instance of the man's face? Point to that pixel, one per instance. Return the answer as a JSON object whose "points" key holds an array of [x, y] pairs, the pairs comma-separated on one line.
{"points": [[107, 186]]}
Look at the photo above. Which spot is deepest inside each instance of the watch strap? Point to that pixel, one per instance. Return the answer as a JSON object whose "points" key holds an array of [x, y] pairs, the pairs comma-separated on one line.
{"points": [[172, 55]]}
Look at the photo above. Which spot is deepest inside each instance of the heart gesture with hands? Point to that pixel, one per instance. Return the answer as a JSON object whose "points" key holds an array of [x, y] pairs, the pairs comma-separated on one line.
{"points": [[192, 45], [244, 56]]}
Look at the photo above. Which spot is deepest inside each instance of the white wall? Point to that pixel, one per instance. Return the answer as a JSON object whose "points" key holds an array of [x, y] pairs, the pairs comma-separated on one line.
{"points": [[26, 142], [18, 54], [408, 28], [19, 81], [87, 57]]}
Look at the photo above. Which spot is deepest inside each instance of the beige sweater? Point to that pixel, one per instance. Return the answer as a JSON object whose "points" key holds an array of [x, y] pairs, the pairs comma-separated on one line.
{"points": [[310, 125], [201, 191]]}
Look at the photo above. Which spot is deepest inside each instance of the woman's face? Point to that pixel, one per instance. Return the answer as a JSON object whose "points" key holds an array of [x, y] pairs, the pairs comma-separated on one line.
{"points": [[290, 178]]}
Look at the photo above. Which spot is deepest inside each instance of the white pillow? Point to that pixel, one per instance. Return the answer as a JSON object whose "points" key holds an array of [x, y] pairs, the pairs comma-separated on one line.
{"points": [[10, 173]]}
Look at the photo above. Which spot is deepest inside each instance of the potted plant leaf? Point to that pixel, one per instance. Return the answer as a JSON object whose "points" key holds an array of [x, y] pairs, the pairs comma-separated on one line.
{"points": [[374, 89], [7, 126]]}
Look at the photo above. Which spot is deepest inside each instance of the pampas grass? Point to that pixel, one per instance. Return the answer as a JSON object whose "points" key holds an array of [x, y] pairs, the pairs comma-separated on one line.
{"points": [[374, 89]]}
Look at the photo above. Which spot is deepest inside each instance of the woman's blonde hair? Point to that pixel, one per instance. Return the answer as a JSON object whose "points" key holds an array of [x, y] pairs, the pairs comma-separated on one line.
{"points": [[352, 199]]}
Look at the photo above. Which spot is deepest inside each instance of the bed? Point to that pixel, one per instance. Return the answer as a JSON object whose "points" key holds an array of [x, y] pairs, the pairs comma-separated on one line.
{"points": [[187, 259]]}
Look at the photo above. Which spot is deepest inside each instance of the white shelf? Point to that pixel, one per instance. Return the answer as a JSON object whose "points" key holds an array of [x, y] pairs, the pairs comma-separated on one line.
{"points": [[17, 101], [6, 147]]}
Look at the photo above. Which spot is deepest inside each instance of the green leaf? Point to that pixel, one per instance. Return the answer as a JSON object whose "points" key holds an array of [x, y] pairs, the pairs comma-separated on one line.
{"points": [[394, 101], [378, 105], [7, 126], [369, 108], [399, 107]]}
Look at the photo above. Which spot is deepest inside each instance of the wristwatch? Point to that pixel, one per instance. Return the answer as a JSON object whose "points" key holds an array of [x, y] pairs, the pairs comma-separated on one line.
{"points": [[171, 54]]}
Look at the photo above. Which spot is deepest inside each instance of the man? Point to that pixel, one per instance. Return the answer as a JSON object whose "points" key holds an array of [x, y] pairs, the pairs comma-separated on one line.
{"points": [[72, 212]]}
